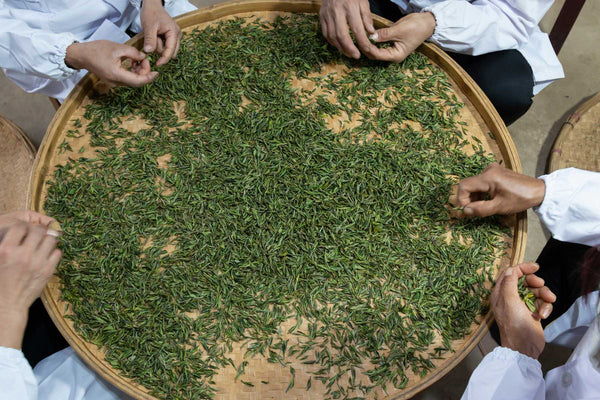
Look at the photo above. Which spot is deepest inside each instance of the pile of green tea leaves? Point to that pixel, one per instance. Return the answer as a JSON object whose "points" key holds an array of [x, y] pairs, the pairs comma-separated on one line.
{"points": [[196, 233]]}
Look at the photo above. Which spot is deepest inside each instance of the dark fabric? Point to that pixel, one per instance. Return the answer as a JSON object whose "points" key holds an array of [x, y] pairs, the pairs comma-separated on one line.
{"points": [[385, 9], [504, 76], [42, 338], [560, 267]]}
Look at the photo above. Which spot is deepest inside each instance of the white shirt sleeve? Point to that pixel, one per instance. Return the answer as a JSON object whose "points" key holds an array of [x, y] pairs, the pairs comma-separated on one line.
{"points": [[16, 377], [64, 375], [36, 52], [506, 374], [485, 26], [571, 206]]}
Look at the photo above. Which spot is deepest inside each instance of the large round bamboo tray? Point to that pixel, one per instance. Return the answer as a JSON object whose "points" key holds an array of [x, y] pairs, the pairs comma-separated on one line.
{"points": [[16, 161], [483, 123], [578, 142]]}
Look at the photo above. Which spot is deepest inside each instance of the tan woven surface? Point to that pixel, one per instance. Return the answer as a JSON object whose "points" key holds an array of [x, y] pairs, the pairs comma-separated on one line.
{"points": [[16, 160], [578, 143], [482, 121]]}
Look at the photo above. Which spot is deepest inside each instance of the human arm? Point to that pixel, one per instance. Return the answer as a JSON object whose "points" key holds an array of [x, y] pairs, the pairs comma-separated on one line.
{"points": [[104, 58], [512, 370], [474, 28], [28, 256], [570, 208], [509, 192], [567, 199], [485, 26], [33, 51], [157, 25]]}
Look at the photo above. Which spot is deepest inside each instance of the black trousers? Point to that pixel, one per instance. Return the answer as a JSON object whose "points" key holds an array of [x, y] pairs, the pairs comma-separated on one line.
{"points": [[504, 76], [560, 266]]}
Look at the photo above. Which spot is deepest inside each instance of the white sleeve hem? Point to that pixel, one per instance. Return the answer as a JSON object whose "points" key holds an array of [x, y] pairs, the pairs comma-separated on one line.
{"points": [[58, 56], [506, 354], [16, 377], [437, 32], [569, 207]]}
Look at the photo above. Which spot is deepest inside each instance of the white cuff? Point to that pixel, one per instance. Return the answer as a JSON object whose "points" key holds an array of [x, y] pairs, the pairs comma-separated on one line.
{"points": [[16, 377], [569, 208], [506, 354], [441, 21], [59, 53], [11, 356]]}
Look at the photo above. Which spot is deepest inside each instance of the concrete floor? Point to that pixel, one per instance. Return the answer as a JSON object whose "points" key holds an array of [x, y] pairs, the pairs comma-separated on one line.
{"points": [[533, 135]]}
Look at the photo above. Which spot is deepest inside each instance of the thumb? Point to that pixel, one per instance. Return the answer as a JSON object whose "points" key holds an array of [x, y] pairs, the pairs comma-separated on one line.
{"points": [[482, 208], [381, 35], [150, 36], [509, 287]]}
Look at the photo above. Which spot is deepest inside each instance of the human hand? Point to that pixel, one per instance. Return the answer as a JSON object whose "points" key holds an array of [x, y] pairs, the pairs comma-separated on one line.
{"points": [[28, 258], [158, 24], [105, 59], [9, 219], [336, 15], [521, 329], [509, 192], [406, 35]]}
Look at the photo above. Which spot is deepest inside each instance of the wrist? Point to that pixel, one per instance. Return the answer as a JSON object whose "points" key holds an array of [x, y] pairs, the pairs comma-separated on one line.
{"points": [[73, 56], [538, 193], [524, 347], [13, 322], [429, 22]]}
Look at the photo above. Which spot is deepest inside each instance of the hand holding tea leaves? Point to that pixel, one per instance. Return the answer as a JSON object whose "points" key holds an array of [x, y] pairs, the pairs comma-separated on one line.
{"points": [[498, 190], [105, 59], [335, 17], [520, 328], [28, 258], [158, 26], [406, 35]]}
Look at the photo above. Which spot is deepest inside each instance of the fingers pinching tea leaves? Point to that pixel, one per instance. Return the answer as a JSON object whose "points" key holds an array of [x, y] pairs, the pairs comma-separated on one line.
{"points": [[526, 295]]}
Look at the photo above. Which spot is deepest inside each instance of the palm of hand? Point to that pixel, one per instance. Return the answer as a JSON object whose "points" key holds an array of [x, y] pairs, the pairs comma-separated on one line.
{"points": [[520, 329]]}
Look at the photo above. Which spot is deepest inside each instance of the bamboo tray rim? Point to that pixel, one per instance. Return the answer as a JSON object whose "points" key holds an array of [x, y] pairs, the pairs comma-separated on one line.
{"points": [[22, 142], [450, 67], [569, 126]]}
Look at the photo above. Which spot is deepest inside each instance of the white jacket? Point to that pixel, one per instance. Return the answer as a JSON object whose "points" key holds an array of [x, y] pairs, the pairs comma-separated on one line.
{"points": [[484, 26], [35, 34], [570, 210]]}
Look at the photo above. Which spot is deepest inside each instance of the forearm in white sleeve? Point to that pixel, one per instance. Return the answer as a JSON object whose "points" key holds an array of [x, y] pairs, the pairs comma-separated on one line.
{"points": [[16, 377], [31, 51], [506, 374], [485, 26], [570, 209]]}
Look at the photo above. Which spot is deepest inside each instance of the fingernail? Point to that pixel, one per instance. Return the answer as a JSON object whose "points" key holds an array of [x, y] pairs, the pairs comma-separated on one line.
{"points": [[468, 211], [147, 48], [52, 232], [374, 36], [509, 272], [546, 311]]}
